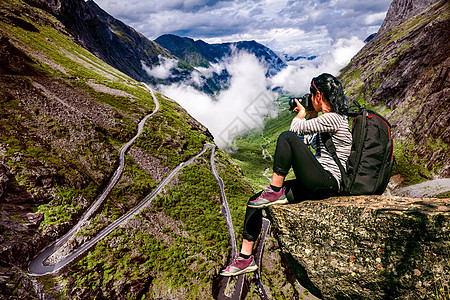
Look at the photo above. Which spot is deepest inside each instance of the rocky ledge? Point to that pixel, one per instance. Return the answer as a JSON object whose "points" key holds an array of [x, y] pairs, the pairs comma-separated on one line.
{"points": [[368, 247]]}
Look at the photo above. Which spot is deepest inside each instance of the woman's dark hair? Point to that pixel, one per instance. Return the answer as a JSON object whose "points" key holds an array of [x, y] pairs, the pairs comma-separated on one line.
{"points": [[332, 90]]}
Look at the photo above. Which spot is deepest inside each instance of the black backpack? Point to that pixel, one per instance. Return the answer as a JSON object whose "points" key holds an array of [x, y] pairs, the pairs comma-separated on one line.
{"points": [[371, 159]]}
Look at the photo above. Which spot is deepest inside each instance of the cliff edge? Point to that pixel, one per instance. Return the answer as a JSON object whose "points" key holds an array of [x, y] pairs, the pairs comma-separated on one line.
{"points": [[367, 247]]}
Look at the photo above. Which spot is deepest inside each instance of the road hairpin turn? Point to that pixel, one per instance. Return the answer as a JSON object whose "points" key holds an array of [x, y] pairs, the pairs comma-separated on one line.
{"points": [[38, 265]]}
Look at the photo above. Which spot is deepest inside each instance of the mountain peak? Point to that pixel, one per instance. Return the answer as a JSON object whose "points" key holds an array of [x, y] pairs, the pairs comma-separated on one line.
{"points": [[403, 10], [201, 54]]}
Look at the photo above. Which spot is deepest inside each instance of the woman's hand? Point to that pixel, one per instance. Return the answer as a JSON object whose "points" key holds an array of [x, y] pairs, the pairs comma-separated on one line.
{"points": [[300, 110]]}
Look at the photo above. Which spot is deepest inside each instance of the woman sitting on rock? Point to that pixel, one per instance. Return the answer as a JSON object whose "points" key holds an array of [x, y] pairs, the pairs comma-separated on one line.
{"points": [[317, 176]]}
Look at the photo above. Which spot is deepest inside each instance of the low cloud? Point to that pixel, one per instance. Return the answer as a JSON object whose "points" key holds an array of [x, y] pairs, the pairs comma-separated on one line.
{"points": [[344, 49], [250, 95], [374, 18], [296, 78], [163, 70], [214, 68], [235, 110]]}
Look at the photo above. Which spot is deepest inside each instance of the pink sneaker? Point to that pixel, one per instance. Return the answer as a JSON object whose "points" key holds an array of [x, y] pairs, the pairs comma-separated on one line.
{"points": [[268, 197], [240, 266]]}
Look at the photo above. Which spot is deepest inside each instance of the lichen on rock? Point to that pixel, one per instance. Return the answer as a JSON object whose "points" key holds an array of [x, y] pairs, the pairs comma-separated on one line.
{"points": [[367, 247]]}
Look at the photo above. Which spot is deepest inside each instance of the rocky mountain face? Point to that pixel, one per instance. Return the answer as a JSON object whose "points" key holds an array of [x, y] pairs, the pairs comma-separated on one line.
{"points": [[401, 11], [201, 54], [404, 71], [65, 114], [108, 38]]}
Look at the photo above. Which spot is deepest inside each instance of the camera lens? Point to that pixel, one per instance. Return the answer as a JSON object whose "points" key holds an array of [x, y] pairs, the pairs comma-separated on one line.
{"points": [[292, 104], [305, 101]]}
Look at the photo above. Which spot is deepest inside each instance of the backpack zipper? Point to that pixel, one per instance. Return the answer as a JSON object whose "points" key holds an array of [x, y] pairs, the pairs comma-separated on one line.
{"points": [[389, 131]]}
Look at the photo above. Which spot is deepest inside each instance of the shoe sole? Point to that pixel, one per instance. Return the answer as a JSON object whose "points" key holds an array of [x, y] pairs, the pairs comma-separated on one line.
{"points": [[246, 270], [284, 201]]}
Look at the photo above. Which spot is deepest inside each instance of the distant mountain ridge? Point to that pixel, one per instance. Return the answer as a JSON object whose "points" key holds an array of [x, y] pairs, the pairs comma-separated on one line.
{"points": [[129, 51], [291, 58], [201, 54]]}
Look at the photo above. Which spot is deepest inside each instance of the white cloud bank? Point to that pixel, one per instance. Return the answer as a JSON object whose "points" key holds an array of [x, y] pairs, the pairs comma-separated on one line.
{"points": [[296, 78], [163, 70], [249, 97], [240, 107], [300, 27]]}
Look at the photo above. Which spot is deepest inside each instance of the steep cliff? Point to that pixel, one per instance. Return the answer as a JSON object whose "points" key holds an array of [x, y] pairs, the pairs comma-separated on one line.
{"points": [[108, 38], [368, 247], [404, 72]]}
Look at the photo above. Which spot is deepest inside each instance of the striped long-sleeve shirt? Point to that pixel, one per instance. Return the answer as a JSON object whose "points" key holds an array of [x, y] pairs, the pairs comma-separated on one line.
{"points": [[338, 127]]}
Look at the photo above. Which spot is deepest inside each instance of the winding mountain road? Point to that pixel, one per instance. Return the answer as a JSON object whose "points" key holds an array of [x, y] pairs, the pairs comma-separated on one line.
{"points": [[37, 266]]}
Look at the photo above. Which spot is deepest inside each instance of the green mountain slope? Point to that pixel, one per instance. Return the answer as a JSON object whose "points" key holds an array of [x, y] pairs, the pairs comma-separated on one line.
{"points": [[255, 150], [64, 116], [404, 72], [195, 53], [109, 39]]}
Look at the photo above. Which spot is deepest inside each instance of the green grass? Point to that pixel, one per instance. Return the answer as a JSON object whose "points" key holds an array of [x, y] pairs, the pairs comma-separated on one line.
{"points": [[62, 208], [190, 261], [406, 166], [170, 136], [133, 186], [249, 155], [191, 203], [26, 153]]}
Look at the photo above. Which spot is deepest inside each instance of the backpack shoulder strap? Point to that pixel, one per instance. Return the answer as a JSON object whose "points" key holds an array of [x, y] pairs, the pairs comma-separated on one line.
{"points": [[355, 109], [329, 144]]}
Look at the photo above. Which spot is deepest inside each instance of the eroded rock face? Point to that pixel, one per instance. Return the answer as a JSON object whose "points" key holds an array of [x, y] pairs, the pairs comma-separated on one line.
{"points": [[109, 39], [405, 68], [403, 10], [367, 247]]}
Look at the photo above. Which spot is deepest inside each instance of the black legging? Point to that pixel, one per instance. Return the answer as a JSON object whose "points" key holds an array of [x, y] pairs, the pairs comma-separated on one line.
{"points": [[312, 181]]}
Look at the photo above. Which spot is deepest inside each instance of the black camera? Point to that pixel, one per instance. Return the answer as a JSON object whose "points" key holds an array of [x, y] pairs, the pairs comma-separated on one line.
{"points": [[305, 101]]}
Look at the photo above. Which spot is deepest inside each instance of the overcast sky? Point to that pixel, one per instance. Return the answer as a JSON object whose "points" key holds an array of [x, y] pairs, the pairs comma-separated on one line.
{"points": [[302, 27]]}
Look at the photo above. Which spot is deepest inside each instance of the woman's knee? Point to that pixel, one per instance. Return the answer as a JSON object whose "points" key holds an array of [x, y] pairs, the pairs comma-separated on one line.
{"points": [[292, 139], [287, 135]]}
